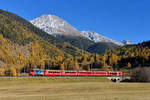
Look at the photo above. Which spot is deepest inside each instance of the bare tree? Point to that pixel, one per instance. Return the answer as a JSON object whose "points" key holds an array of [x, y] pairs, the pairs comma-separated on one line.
{"points": [[141, 74]]}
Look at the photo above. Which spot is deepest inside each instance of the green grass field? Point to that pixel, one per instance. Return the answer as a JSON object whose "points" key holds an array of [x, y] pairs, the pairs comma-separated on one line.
{"points": [[71, 89]]}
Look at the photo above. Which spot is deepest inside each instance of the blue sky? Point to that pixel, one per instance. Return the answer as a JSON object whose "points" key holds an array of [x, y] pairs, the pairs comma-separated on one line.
{"points": [[117, 19]]}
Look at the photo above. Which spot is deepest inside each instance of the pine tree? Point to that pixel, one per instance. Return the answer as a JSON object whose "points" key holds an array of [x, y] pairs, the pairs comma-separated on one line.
{"points": [[88, 67], [104, 58], [13, 71], [113, 61], [2, 71], [76, 64], [62, 67], [129, 65], [84, 61], [92, 59]]}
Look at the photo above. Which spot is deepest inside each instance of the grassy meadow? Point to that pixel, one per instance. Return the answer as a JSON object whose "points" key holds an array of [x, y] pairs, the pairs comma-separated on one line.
{"points": [[88, 88]]}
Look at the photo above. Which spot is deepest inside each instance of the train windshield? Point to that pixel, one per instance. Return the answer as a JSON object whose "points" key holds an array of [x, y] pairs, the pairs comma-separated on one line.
{"points": [[39, 71]]}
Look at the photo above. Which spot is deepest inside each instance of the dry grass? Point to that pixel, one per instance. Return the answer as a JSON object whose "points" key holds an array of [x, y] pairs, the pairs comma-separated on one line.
{"points": [[71, 89]]}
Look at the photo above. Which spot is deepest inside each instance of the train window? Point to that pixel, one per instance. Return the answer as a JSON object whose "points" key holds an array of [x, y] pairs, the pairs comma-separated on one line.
{"points": [[85, 72], [70, 72], [56, 72], [53, 72], [100, 72], [114, 73]]}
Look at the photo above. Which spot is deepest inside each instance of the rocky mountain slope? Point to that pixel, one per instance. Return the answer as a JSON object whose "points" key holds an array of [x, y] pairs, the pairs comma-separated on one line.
{"points": [[59, 28], [93, 36], [56, 26]]}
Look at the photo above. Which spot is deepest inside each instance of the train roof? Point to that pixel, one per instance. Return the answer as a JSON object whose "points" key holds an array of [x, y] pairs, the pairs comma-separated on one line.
{"points": [[76, 70]]}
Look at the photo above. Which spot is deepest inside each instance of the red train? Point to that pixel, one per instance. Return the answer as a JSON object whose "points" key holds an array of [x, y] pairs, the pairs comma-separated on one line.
{"points": [[39, 72]]}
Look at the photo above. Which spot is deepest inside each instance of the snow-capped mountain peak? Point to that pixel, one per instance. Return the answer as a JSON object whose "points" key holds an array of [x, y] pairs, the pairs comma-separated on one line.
{"points": [[58, 27], [54, 25], [126, 42], [93, 36]]}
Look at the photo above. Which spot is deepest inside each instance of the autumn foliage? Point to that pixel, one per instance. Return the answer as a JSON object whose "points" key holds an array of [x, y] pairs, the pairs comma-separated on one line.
{"points": [[24, 47]]}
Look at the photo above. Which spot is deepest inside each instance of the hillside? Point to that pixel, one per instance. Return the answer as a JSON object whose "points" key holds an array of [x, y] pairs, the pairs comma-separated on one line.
{"points": [[129, 56], [78, 41], [66, 47], [22, 44], [17, 41], [101, 47]]}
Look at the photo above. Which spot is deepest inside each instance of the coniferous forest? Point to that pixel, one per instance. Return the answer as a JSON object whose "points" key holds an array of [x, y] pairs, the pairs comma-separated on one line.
{"points": [[23, 45]]}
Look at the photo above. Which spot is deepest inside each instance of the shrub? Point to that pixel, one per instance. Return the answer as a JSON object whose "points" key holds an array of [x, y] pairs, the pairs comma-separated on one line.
{"points": [[141, 74]]}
